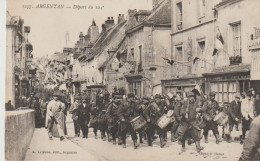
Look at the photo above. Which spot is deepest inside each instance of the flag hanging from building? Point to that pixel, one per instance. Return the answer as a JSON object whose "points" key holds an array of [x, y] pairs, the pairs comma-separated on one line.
{"points": [[196, 90], [219, 43]]}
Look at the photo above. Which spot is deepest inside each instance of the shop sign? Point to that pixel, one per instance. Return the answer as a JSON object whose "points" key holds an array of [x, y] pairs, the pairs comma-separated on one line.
{"points": [[257, 32], [255, 66], [254, 44], [230, 77]]}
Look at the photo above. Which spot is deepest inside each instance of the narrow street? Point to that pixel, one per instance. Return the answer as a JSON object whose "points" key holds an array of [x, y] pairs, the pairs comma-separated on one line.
{"points": [[104, 150], [41, 148]]}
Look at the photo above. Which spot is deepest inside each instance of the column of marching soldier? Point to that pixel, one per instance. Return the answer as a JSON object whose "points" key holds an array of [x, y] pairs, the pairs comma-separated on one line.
{"points": [[185, 117]]}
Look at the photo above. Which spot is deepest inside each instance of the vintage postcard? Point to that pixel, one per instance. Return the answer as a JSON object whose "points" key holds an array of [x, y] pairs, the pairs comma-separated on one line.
{"points": [[132, 80]]}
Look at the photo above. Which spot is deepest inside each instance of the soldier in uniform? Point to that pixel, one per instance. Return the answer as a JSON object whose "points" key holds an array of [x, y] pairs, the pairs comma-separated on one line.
{"points": [[94, 118], [177, 113], [112, 117], [126, 113], [75, 114], [189, 126], [210, 109], [84, 116], [102, 122], [142, 108], [154, 112]]}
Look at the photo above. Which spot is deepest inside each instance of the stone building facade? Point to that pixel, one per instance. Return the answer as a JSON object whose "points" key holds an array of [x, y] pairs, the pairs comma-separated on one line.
{"points": [[210, 46], [148, 41], [18, 58]]}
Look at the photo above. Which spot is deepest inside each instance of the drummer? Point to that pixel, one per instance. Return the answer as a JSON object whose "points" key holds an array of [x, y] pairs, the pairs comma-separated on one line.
{"points": [[189, 126], [112, 117], [154, 111], [210, 108], [127, 112]]}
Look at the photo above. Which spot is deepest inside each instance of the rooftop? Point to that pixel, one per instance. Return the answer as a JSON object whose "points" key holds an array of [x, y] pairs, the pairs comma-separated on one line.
{"points": [[160, 16]]}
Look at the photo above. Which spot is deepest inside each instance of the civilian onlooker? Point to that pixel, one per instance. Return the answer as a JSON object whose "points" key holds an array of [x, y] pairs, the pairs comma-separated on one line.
{"points": [[38, 115], [75, 114], [251, 148], [9, 106], [247, 111], [234, 115]]}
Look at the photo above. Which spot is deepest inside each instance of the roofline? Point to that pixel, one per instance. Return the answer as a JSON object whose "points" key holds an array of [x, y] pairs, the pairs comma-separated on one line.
{"points": [[222, 73], [190, 77], [116, 51], [135, 28], [193, 27], [223, 3], [145, 23]]}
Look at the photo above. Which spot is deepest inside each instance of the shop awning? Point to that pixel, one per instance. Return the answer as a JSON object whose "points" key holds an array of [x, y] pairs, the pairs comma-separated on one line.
{"points": [[241, 68]]}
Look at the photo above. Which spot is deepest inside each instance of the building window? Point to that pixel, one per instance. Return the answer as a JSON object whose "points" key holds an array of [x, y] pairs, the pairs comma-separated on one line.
{"points": [[135, 87], [140, 57], [200, 54], [224, 90], [133, 53], [179, 15], [179, 58], [202, 10], [236, 28]]}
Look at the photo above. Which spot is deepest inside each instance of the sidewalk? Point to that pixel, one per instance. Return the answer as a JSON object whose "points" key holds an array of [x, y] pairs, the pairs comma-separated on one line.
{"points": [[41, 148]]}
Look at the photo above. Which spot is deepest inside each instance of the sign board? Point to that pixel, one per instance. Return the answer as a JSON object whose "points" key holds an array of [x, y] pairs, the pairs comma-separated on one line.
{"points": [[257, 32], [255, 66], [254, 44]]}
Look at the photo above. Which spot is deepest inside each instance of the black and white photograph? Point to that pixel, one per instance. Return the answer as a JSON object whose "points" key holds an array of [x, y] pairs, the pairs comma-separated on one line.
{"points": [[132, 80]]}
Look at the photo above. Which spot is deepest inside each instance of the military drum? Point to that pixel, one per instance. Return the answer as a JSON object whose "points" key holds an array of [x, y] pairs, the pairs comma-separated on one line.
{"points": [[138, 123], [166, 119], [221, 118]]}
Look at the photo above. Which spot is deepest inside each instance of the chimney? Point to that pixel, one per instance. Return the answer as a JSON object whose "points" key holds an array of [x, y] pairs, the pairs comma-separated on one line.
{"points": [[109, 22], [104, 28], [131, 18], [121, 18]]}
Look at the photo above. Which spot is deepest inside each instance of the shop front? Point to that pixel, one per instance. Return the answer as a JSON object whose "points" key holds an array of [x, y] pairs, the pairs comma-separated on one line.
{"points": [[185, 84], [254, 50], [135, 84], [228, 80], [92, 91]]}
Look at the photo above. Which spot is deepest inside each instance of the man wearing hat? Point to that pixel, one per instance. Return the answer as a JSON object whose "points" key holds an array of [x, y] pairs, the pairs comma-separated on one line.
{"points": [[210, 109], [126, 113], [54, 110], [84, 116], [75, 114], [189, 126], [112, 116], [94, 118], [247, 111], [154, 111], [102, 122], [234, 114], [177, 109]]}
